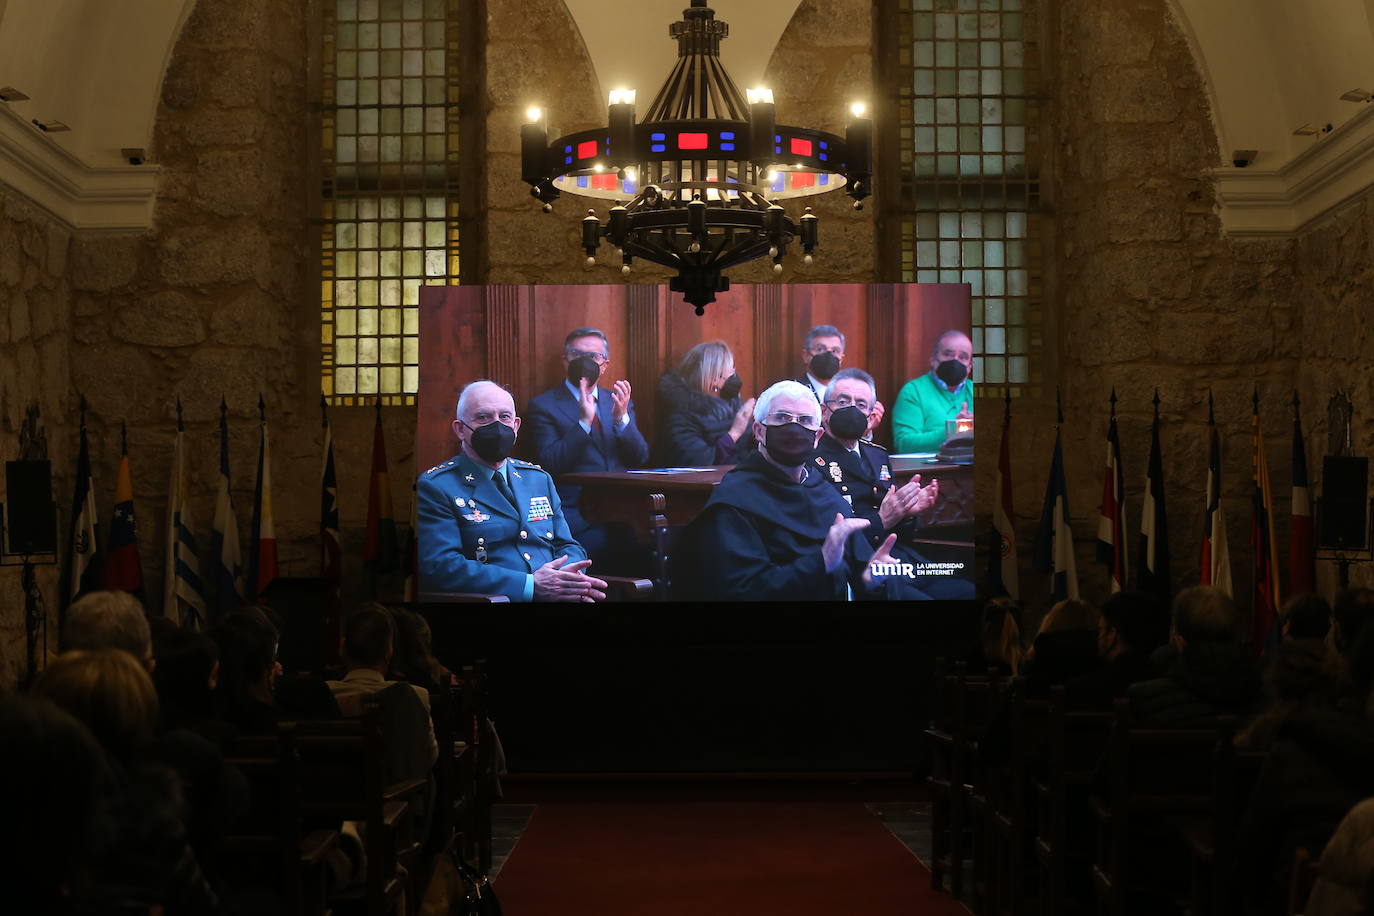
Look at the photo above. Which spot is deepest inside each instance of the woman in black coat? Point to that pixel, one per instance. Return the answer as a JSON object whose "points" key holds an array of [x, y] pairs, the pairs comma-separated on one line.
{"points": [[702, 420]]}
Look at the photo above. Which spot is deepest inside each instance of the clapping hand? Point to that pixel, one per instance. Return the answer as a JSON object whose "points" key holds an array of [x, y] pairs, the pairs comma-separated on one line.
{"points": [[587, 400], [875, 416], [620, 399], [832, 550], [556, 582], [907, 500], [883, 555], [743, 417]]}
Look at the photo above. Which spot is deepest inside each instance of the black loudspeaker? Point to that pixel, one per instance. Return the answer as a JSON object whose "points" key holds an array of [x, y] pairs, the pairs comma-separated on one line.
{"points": [[30, 515], [1344, 523]]}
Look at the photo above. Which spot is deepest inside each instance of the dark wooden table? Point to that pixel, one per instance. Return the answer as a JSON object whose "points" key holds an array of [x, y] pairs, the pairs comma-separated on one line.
{"points": [[955, 505], [627, 496]]}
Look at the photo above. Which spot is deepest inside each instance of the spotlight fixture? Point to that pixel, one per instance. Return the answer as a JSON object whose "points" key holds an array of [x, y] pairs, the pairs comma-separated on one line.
{"points": [[51, 126], [1305, 130], [1356, 95], [702, 171], [135, 154], [1243, 157], [10, 94]]}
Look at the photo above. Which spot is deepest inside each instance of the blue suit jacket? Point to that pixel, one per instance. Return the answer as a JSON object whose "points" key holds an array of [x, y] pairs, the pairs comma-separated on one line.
{"points": [[472, 540], [563, 447]]}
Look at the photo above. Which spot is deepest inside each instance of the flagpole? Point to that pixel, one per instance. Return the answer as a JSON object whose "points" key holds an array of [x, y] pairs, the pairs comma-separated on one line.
{"points": [[1003, 577]]}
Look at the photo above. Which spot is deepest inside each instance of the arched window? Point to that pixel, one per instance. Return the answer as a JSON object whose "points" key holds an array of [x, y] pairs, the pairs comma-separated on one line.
{"points": [[389, 188], [970, 171]]}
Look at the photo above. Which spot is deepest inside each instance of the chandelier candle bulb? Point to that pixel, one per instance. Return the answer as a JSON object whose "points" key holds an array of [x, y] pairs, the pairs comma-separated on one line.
{"points": [[534, 144], [762, 125], [621, 127]]}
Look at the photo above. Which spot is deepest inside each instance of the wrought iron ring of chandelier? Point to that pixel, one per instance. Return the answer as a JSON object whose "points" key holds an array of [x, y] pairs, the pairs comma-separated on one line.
{"points": [[702, 172]]}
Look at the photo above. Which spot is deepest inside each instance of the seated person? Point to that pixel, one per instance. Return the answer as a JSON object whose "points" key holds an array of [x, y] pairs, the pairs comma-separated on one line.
{"points": [[773, 529], [369, 636], [702, 420], [944, 393], [252, 694], [1001, 638], [823, 354], [1131, 627], [1064, 648], [1306, 617], [492, 524], [1211, 675], [579, 426], [858, 470], [109, 620]]}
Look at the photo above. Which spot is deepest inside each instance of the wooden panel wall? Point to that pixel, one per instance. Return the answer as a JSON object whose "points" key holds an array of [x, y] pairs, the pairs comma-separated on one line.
{"points": [[514, 335]]}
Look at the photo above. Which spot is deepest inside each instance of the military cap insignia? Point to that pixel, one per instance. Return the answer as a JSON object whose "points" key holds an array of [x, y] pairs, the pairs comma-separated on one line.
{"points": [[540, 509]]}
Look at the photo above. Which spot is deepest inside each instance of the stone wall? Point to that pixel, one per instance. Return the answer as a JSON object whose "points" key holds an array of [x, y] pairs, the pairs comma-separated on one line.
{"points": [[35, 357]]}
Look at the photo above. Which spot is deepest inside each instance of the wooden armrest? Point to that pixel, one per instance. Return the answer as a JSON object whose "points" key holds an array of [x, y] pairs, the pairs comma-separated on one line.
{"points": [[402, 789], [463, 598], [314, 846], [393, 812], [627, 589], [1100, 810]]}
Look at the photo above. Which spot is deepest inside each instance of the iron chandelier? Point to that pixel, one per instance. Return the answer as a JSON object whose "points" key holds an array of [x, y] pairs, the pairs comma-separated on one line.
{"points": [[703, 170]]}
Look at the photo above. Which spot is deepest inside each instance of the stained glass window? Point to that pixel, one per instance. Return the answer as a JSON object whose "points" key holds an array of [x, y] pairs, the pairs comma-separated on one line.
{"points": [[389, 206], [970, 172]]}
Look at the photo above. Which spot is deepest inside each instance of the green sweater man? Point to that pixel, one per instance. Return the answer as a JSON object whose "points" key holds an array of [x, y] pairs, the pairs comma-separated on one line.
{"points": [[944, 393]]}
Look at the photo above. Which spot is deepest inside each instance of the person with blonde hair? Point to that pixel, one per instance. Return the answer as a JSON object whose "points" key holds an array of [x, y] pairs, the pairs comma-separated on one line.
{"points": [[1065, 647], [702, 420], [1002, 636], [108, 691]]}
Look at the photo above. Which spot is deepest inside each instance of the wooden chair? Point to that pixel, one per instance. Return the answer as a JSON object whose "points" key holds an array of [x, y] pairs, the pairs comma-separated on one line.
{"points": [[938, 741], [272, 831], [1152, 774], [1075, 747], [1212, 837], [1301, 878], [973, 698], [1013, 816]]}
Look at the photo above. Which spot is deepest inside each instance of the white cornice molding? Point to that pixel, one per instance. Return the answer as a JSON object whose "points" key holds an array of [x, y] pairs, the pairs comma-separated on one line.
{"points": [[1283, 202], [82, 196]]}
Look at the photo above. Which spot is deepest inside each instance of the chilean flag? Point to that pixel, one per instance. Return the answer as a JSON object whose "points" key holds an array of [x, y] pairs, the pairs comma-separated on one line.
{"points": [[1002, 573], [1111, 523], [1301, 558], [123, 569], [1266, 550], [1215, 561], [262, 555], [1054, 545]]}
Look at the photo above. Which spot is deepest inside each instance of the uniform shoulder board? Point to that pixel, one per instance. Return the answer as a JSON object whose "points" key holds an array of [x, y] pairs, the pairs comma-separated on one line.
{"points": [[518, 462], [443, 466], [875, 445]]}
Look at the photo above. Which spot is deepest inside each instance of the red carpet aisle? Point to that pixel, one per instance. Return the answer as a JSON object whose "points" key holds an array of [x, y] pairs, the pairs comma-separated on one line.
{"points": [[742, 859]]}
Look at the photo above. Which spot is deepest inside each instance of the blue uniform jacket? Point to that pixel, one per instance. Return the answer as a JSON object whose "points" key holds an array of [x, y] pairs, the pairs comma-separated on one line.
{"points": [[562, 447], [471, 540]]}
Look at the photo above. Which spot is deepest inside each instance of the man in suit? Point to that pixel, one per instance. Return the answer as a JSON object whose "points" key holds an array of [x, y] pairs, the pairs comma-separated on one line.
{"points": [[492, 524], [823, 354], [579, 426], [859, 472]]}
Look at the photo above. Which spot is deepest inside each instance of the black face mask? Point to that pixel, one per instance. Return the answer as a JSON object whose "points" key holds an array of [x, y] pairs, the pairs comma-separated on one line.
{"points": [[731, 388], [848, 423], [584, 367], [789, 444], [493, 442], [951, 372], [825, 365]]}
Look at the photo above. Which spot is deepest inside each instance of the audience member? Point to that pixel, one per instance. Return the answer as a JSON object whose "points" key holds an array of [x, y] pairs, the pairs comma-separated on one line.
{"points": [[1211, 675], [1345, 883], [108, 620], [1131, 626], [186, 675], [412, 657], [701, 418], [1002, 637], [139, 854], [1306, 617], [1065, 648], [1297, 674], [369, 637], [53, 775], [1353, 609]]}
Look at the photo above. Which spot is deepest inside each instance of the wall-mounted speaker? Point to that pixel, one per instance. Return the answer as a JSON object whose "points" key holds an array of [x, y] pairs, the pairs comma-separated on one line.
{"points": [[1344, 521]]}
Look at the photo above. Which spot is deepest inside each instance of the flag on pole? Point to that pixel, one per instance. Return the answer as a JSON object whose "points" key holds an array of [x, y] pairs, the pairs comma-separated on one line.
{"points": [[1302, 573], [330, 552], [123, 568], [1215, 561], [412, 583], [379, 543], [183, 598], [227, 562], [82, 572], [1111, 522], [1266, 602], [262, 554], [1002, 572], [1152, 565], [1054, 543]]}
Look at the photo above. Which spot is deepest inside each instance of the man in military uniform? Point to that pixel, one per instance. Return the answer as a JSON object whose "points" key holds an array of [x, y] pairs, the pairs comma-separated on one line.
{"points": [[859, 472], [773, 529], [492, 524]]}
